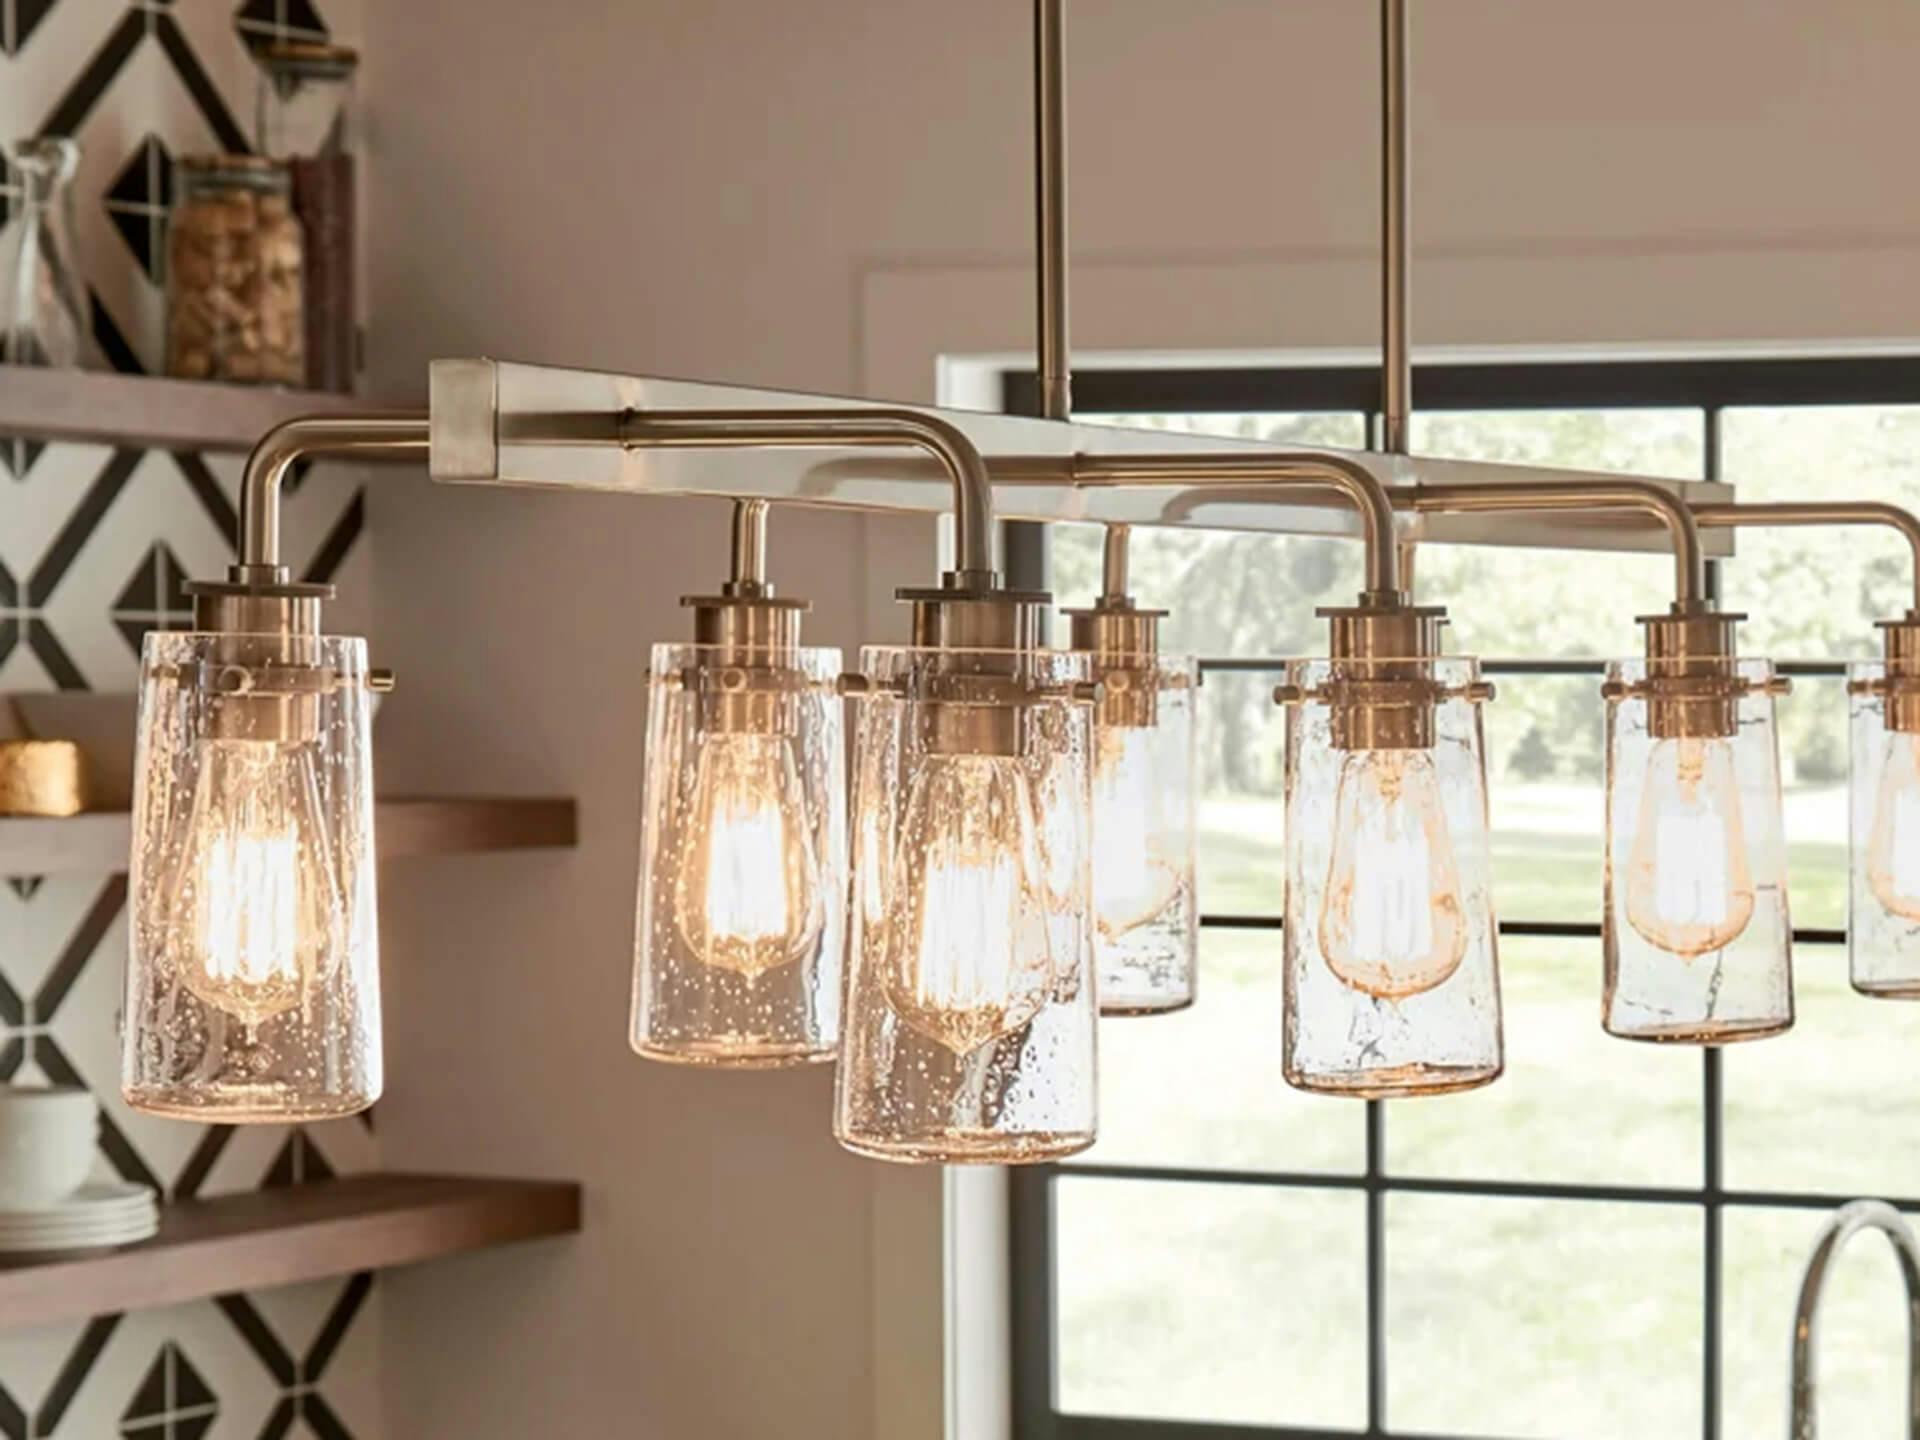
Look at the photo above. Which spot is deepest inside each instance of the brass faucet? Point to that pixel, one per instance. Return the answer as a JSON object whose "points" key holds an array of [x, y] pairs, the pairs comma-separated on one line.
{"points": [[1849, 1220]]}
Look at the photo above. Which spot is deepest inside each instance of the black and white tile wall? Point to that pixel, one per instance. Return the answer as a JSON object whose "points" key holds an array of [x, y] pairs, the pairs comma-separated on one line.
{"points": [[94, 543]]}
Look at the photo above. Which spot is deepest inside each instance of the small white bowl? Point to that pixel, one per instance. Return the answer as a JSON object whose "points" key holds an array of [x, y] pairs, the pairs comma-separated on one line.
{"points": [[47, 1140]]}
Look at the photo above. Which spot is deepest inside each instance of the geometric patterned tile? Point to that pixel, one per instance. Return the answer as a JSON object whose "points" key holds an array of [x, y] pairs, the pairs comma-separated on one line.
{"points": [[94, 543], [136, 205], [17, 454], [154, 598], [260, 21], [173, 1402], [18, 20]]}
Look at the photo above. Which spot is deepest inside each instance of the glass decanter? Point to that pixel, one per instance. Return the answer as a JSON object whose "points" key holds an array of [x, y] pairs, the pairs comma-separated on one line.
{"points": [[40, 310]]}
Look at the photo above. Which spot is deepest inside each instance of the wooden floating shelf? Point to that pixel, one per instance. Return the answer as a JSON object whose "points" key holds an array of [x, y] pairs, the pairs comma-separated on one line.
{"points": [[283, 1237], [141, 410], [98, 842]]}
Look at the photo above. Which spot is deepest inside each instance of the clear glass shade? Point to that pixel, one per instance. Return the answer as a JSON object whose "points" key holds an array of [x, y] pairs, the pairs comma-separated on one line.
{"points": [[1883, 913], [742, 899], [1146, 938], [253, 988], [1697, 937], [970, 1027], [1392, 966]]}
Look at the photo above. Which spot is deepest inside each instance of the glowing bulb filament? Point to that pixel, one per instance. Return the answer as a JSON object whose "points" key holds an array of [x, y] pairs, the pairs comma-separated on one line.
{"points": [[1689, 884], [1134, 881], [1392, 923], [968, 957], [258, 912], [749, 895], [1893, 845], [248, 928]]}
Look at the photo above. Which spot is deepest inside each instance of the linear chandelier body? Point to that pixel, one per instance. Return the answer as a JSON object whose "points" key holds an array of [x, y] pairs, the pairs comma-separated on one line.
{"points": [[1017, 854]]}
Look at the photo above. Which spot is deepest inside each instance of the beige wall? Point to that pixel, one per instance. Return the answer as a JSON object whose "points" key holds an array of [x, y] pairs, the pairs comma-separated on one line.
{"points": [[829, 195]]}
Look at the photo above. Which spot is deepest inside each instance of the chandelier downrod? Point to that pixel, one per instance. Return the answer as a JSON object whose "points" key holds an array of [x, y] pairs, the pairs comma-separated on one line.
{"points": [[1050, 207], [1396, 384]]}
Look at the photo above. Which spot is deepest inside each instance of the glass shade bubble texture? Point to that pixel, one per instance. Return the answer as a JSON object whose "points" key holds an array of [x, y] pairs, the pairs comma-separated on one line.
{"points": [[1698, 942], [253, 989], [742, 897], [1145, 908], [971, 1013], [1392, 968], [1883, 892]]}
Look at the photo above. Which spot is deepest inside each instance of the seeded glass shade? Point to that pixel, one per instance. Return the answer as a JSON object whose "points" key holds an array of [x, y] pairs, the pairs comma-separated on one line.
{"points": [[253, 990], [1146, 919], [743, 865], [1883, 914], [970, 1029], [1392, 982], [1697, 937]]}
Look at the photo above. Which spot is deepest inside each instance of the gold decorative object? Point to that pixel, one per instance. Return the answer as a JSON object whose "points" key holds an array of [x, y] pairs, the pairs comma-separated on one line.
{"points": [[42, 777]]}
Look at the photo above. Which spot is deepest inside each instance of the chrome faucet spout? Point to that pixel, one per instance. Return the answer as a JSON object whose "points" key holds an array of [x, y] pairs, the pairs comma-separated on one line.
{"points": [[1849, 1220]]}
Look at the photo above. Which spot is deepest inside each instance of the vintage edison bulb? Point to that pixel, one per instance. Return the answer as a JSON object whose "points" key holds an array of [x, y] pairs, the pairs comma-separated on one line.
{"points": [[257, 908], [1689, 885], [748, 895], [968, 958], [1393, 923], [1893, 844], [1134, 881]]}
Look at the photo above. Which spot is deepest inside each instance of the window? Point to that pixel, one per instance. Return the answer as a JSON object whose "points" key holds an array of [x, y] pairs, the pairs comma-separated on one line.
{"points": [[1608, 1241]]}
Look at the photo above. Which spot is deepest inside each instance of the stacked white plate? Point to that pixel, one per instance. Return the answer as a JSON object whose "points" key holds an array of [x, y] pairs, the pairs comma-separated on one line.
{"points": [[95, 1215]]}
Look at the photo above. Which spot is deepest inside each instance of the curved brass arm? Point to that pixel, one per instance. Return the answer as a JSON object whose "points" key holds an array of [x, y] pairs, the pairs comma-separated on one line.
{"points": [[1822, 512], [1690, 565], [291, 440], [1282, 470], [972, 491]]}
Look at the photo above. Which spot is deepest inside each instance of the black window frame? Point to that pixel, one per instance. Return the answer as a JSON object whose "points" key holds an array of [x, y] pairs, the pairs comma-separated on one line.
{"points": [[1710, 386]]}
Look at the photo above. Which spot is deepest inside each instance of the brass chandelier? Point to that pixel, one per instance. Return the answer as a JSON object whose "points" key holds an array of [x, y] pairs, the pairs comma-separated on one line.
{"points": [[1012, 854]]}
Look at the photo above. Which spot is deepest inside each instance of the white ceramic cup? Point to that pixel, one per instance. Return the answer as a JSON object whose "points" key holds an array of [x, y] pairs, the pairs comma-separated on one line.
{"points": [[47, 1139]]}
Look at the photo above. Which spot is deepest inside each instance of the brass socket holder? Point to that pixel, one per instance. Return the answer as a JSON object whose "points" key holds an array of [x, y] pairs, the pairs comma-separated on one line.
{"points": [[981, 685], [1382, 694], [749, 684], [1899, 687], [259, 681], [1693, 687], [1124, 641]]}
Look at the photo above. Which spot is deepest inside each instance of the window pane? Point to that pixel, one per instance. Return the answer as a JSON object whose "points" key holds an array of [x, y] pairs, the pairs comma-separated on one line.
{"points": [[1242, 756], [1228, 1303], [1534, 1318], [1345, 431], [1544, 763], [1536, 605], [1639, 442], [1574, 1105], [1815, 593], [1813, 772], [1238, 596], [1203, 1087], [1863, 1329], [1825, 1106]]}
